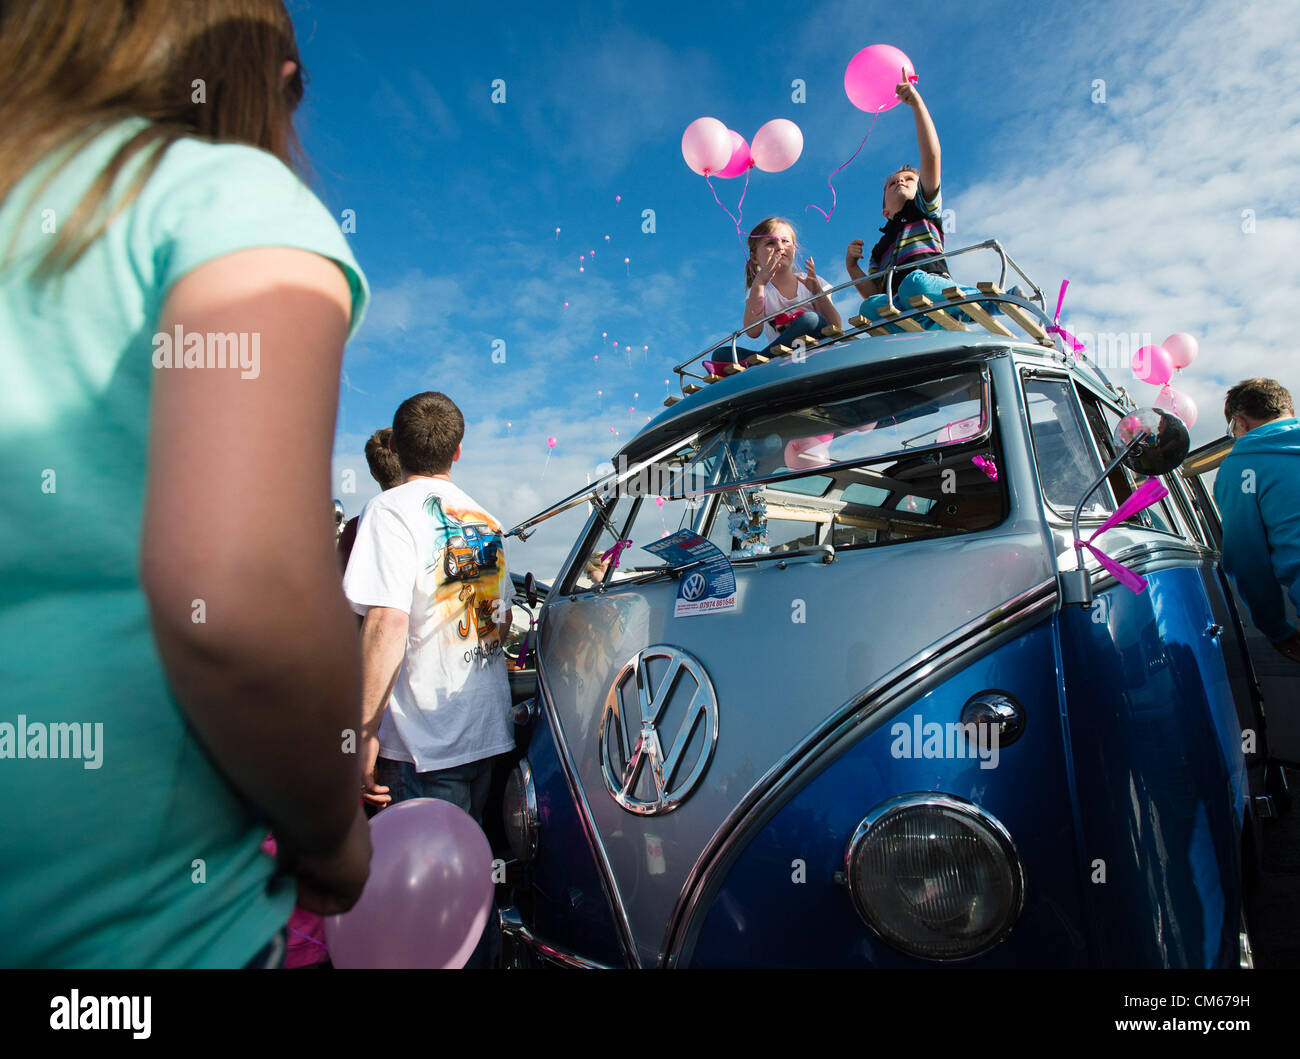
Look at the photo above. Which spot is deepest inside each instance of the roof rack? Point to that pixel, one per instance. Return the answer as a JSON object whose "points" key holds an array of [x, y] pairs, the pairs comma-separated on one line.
{"points": [[1019, 311]]}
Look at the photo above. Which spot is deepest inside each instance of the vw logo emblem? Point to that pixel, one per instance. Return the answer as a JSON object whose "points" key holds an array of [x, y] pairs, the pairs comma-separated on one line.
{"points": [[693, 586], [665, 692]]}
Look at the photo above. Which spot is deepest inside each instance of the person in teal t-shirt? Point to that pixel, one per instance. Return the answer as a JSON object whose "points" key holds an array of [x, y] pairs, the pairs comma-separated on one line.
{"points": [[180, 667]]}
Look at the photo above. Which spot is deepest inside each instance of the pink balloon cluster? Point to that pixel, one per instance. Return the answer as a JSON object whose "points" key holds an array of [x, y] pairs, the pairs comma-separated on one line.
{"points": [[712, 149], [1156, 365]]}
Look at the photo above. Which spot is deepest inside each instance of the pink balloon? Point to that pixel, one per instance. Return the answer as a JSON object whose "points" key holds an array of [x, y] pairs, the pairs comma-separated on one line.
{"points": [[550, 443], [871, 75], [1177, 403], [706, 146], [777, 145], [740, 160], [1182, 347], [429, 892], [1153, 364]]}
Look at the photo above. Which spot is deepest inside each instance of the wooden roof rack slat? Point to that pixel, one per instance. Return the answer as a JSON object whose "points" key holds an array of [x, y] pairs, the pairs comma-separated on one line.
{"points": [[888, 312], [948, 323], [1031, 326], [977, 313]]}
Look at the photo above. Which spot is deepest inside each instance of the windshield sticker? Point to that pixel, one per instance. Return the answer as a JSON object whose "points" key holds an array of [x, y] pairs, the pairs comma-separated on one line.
{"points": [[710, 583]]}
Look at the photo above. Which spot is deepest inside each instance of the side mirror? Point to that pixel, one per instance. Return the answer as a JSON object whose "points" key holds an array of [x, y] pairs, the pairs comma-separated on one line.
{"points": [[1154, 442], [530, 589]]}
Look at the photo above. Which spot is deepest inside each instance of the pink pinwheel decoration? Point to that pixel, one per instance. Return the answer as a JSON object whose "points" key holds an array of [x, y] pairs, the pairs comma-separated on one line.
{"points": [[1148, 493]]}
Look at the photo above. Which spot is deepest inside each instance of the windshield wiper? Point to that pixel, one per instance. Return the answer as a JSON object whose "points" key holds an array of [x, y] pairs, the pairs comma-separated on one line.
{"points": [[825, 551]]}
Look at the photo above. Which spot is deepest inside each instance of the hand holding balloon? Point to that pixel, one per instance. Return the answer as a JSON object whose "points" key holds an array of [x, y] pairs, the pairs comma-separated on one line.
{"points": [[906, 90]]}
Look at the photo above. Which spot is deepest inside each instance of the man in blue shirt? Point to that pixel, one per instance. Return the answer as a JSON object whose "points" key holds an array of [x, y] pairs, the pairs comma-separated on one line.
{"points": [[1257, 491]]}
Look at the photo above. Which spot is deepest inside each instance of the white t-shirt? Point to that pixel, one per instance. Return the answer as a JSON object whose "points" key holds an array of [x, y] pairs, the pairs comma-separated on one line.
{"points": [[428, 549], [774, 301]]}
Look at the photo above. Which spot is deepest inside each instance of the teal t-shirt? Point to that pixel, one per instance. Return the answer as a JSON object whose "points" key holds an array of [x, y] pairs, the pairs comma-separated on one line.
{"points": [[122, 846]]}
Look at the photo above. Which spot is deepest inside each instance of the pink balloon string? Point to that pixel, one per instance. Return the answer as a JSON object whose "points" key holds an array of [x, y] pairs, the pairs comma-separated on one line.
{"points": [[851, 157], [740, 206], [1056, 328], [734, 220], [615, 552], [308, 937]]}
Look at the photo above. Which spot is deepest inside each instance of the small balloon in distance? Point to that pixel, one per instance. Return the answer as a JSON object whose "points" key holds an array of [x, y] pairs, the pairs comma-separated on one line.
{"points": [[777, 145], [872, 76]]}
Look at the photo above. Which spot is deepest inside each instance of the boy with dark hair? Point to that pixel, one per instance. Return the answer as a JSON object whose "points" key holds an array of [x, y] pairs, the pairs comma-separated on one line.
{"points": [[1257, 491], [384, 466], [430, 575], [385, 470]]}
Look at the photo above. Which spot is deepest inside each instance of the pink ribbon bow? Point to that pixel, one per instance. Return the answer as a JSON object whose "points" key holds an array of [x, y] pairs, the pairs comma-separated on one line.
{"points": [[1143, 497], [614, 552], [1056, 328]]}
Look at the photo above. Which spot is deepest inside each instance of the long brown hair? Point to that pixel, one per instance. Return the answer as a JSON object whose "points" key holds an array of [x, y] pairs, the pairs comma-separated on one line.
{"points": [[767, 226], [71, 68]]}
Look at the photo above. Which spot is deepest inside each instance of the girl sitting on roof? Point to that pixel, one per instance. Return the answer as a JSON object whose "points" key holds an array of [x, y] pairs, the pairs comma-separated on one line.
{"points": [[774, 287]]}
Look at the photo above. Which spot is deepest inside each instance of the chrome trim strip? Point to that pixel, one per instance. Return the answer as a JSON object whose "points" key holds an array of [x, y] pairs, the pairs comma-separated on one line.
{"points": [[902, 682], [511, 925], [1155, 555], [612, 895], [960, 805]]}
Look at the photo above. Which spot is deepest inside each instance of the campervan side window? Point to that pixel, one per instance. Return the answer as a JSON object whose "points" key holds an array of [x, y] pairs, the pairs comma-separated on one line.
{"points": [[1063, 454], [1103, 419]]}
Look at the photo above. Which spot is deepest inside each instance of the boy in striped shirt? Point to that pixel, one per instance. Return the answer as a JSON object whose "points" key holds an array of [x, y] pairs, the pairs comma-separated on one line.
{"points": [[914, 233]]}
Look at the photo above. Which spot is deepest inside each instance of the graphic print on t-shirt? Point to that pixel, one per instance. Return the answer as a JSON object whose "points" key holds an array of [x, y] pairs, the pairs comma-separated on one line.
{"points": [[468, 548]]}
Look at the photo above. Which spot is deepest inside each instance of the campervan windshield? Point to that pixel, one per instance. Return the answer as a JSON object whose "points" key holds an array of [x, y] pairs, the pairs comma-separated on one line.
{"points": [[914, 460]]}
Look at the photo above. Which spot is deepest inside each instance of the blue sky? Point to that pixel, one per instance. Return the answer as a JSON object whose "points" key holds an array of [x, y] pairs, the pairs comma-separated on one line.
{"points": [[1140, 200]]}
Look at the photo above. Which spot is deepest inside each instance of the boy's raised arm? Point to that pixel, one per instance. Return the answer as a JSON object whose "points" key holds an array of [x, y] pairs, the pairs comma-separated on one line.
{"points": [[927, 139]]}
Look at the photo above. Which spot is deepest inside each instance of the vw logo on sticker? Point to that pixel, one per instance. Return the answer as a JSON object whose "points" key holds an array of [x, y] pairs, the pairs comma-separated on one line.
{"points": [[693, 587]]}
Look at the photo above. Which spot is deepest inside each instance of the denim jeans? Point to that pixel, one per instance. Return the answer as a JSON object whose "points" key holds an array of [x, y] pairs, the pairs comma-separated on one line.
{"points": [[931, 286], [921, 282], [466, 787], [806, 323]]}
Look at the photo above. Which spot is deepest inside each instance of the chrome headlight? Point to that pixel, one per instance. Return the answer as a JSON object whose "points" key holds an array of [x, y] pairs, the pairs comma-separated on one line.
{"points": [[935, 876], [520, 809]]}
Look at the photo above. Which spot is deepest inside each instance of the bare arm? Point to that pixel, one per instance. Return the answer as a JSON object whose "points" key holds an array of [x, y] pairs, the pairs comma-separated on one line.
{"points": [[270, 679], [927, 139], [755, 301], [852, 256], [383, 646]]}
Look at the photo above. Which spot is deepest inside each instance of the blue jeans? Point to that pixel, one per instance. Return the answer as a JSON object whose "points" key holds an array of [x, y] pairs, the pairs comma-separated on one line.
{"points": [[806, 323], [466, 787], [921, 282]]}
